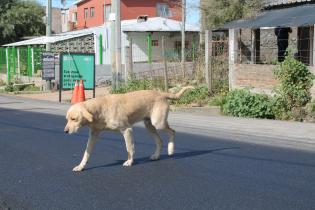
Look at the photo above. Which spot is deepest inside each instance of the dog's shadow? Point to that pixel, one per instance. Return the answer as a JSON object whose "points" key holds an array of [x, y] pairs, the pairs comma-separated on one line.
{"points": [[146, 160]]}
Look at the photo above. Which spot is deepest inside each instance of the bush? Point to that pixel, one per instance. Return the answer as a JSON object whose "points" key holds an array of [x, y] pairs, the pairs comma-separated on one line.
{"points": [[199, 95], [219, 99], [31, 88], [9, 88], [293, 92], [242, 103], [2, 82]]}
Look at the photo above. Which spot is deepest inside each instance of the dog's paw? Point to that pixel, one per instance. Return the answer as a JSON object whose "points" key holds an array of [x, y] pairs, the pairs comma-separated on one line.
{"points": [[170, 149], [155, 157], [78, 168], [128, 163]]}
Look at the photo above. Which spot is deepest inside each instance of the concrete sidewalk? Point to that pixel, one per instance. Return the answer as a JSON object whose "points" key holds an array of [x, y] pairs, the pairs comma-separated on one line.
{"points": [[294, 135]]}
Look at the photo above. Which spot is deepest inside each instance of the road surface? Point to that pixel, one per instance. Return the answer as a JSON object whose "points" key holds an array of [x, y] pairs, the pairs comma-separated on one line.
{"points": [[219, 163]]}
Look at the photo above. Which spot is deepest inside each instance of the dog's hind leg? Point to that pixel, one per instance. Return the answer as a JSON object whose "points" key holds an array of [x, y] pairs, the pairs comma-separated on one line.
{"points": [[127, 133], [171, 134], [157, 138], [93, 137], [159, 121]]}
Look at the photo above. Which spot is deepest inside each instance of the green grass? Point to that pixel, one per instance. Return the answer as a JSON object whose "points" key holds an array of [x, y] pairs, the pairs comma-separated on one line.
{"points": [[134, 85]]}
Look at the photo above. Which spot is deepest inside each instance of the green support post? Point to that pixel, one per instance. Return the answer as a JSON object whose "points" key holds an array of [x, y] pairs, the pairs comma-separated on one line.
{"points": [[14, 60], [101, 49], [29, 61], [8, 65], [149, 48]]}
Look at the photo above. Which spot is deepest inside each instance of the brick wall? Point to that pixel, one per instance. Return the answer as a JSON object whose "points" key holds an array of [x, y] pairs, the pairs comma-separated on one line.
{"points": [[257, 77]]}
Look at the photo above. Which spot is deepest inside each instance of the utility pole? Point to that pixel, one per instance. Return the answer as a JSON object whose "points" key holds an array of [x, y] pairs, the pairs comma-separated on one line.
{"points": [[112, 43], [118, 44], [48, 34], [183, 36], [48, 22]]}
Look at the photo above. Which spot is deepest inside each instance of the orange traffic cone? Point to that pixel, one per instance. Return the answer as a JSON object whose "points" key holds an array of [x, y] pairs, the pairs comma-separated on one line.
{"points": [[74, 98], [81, 94]]}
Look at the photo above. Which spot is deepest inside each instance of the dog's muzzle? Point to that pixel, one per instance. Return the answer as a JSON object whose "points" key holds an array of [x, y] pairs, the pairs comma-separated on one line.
{"points": [[66, 130]]}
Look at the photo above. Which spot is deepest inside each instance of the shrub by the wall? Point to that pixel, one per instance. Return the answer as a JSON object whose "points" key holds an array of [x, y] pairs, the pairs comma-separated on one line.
{"points": [[293, 92], [243, 103]]}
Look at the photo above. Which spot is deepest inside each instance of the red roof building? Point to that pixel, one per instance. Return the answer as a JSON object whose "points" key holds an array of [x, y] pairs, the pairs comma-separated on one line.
{"points": [[91, 13]]}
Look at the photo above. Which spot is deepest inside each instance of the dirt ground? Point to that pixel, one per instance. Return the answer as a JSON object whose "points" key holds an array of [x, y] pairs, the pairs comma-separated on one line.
{"points": [[65, 96]]}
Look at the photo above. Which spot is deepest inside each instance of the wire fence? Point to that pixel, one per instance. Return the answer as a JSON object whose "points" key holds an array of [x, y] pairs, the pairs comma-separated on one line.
{"points": [[171, 60], [27, 61], [169, 64], [21, 61], [3, 61]]}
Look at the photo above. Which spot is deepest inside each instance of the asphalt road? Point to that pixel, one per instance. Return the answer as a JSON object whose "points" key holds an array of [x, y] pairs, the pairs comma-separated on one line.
{"points": [[207, 171]]}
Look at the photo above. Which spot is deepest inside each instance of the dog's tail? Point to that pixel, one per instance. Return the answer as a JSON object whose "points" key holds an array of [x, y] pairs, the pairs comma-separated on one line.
{"points": [[176, 96]]}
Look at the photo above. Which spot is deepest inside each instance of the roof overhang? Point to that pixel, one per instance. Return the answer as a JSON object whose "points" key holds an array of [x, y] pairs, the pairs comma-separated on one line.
{"points": [[158, 24], [303, 15]]}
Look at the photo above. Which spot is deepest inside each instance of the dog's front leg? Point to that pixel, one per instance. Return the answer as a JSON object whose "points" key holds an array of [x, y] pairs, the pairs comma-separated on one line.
{"points": [[93, 136], [127, 133]]}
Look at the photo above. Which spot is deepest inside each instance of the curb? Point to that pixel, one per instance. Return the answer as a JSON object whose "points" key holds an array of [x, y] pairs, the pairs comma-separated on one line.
{"points": [[213, 110]]}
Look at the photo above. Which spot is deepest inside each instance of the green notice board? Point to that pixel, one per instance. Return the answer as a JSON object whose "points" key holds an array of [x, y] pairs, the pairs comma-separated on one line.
{"points": [[77, 66]]}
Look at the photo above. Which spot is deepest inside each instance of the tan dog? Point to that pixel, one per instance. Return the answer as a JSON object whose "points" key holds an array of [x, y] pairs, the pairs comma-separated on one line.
{"points": [[119, 112]]}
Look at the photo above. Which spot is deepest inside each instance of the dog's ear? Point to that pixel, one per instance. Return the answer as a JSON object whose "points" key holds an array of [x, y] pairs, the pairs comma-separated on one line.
{"points": [[87, 115]]}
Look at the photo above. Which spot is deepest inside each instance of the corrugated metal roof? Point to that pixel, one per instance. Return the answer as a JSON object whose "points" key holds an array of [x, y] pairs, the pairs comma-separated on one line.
{"points": [[284, 2], [55, 38], [152, 24], [286, 17]]}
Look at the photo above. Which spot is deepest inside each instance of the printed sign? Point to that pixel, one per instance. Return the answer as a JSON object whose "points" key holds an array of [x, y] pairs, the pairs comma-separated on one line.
{"points": [[48, 61], [77, 67]]}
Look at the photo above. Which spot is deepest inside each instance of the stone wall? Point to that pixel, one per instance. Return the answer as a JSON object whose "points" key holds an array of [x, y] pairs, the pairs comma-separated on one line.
{"points": [[84, 44], [268, 45]]}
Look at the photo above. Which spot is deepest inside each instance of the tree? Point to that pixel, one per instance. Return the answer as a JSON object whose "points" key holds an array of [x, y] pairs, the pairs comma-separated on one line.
{"points": [[215, 13], [218, 12], [20, 18]]}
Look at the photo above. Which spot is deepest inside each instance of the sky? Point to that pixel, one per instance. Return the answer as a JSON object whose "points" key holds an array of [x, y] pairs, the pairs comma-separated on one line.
{"points": [[192, 9]]}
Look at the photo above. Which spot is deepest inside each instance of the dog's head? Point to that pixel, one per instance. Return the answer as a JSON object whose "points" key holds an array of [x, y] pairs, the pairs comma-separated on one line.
{"points": [[77, 117]]}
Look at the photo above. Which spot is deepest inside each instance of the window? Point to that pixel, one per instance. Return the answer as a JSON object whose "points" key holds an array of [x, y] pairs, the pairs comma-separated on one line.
{"points": [[92, 12], [86, 13], [64, 18], [163, 10], [74, 17], [178, 48], [155, 43], [107, 11], [178, 45]]}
